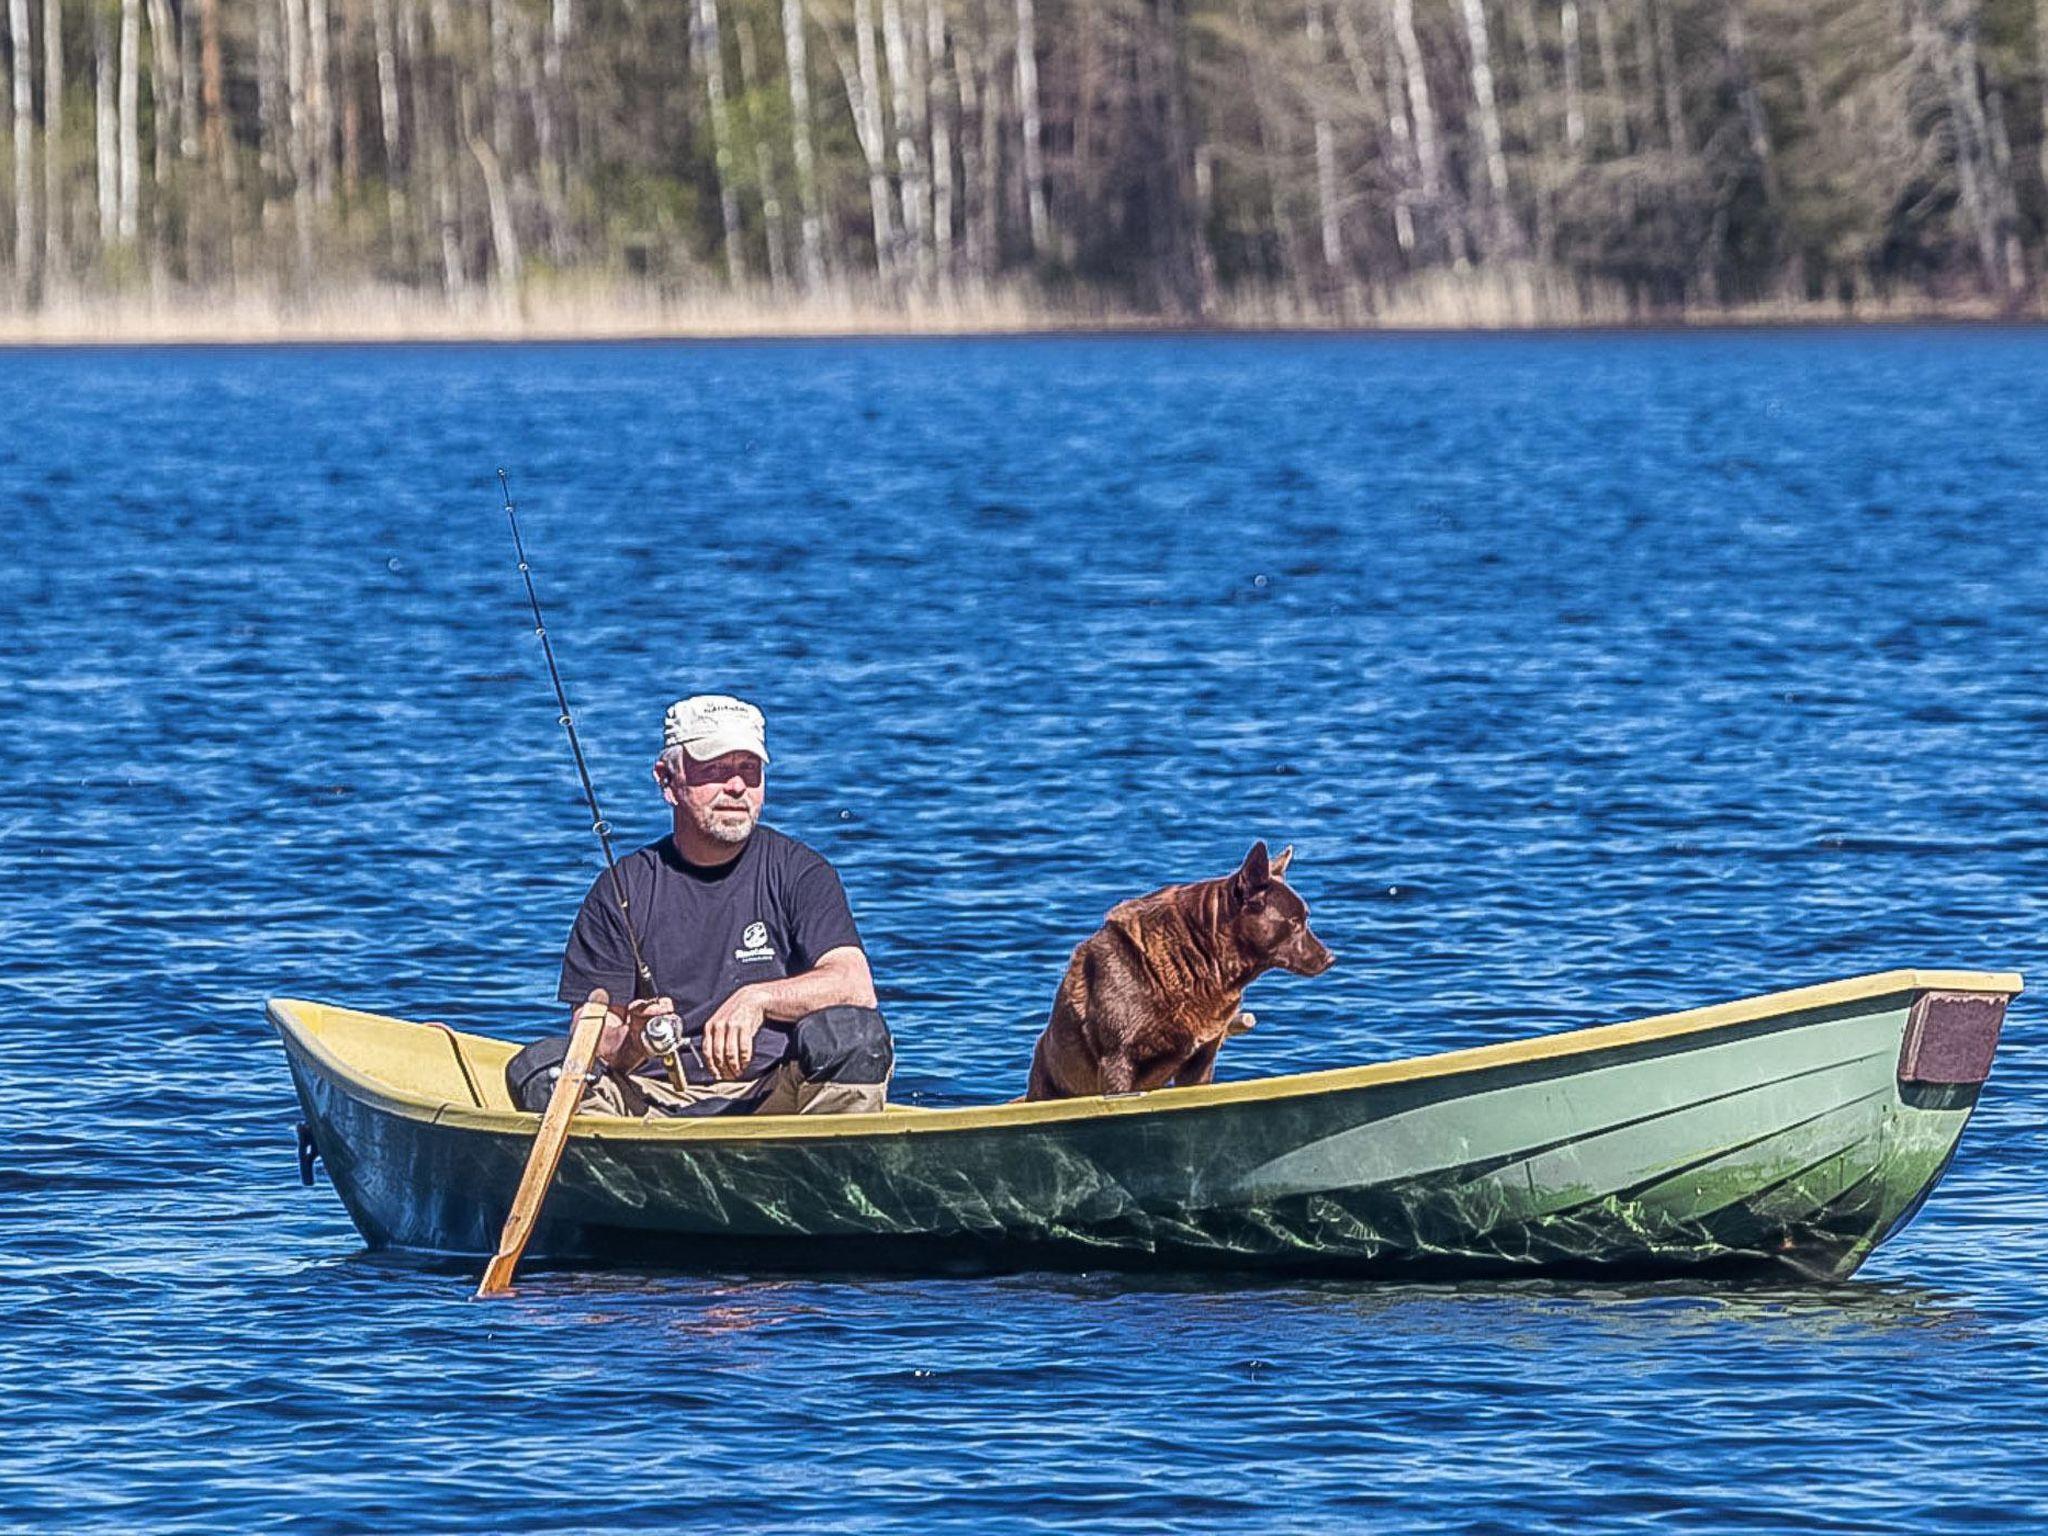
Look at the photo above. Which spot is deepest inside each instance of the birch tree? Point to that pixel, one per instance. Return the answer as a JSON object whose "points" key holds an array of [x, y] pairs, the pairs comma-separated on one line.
{"points": [[25, 252], [1031, 125], [53, 141], [1494, 156], [1290, 157], [129, 125], [802, 144], [106, 153]]}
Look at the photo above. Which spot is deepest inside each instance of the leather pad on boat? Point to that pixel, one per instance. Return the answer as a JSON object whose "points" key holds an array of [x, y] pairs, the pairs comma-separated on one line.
{"points": [[1951, 1037]]}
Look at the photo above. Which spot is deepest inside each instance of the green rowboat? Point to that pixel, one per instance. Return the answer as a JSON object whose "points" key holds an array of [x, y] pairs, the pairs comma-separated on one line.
{"points": [[1797, 1129]]}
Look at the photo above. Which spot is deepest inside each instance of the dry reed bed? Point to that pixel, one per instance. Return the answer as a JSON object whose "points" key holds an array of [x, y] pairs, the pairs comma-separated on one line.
{"points": [[1434, 302]]}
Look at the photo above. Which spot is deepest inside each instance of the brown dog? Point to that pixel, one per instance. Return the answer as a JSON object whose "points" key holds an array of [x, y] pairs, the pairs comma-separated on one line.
{"points": [[1150, 995]]}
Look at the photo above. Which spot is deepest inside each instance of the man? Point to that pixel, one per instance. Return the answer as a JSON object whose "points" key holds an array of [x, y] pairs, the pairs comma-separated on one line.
{"points": [[750, 942]]}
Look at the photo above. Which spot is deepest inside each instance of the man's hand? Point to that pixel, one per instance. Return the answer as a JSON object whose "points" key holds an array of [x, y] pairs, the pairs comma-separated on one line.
{"points": [[729, 1034], [621, 1047]]}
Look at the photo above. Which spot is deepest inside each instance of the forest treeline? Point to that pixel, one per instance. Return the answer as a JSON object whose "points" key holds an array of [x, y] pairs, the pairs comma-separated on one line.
{"points": [[1164, 157]]}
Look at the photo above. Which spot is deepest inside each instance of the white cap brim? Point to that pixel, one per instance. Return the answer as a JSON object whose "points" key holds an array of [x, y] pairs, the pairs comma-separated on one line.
{"points": [[716, 744]]}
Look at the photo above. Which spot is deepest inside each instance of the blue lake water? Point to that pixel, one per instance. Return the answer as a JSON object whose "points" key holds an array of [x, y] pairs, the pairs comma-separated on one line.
{"points": [[1591, 677]]}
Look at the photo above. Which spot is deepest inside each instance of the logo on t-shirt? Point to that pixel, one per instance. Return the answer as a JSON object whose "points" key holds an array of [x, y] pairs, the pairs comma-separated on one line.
{"points": [[754, 944]]}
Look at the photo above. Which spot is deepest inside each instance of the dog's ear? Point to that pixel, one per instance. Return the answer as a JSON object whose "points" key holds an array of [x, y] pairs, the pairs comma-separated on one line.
{"points": [[1280, 862], [1254, 874]]}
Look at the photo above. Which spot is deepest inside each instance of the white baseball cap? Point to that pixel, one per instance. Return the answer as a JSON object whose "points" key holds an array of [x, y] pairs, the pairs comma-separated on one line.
{"points": [[708, 725]]}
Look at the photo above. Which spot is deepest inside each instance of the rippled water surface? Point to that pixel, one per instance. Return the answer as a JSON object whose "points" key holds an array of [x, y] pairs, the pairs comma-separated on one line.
{"points": [[1592, 677]]}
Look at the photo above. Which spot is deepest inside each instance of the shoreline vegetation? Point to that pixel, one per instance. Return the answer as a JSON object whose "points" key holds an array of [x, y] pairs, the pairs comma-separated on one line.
{"points": [[1480, 304], [288, 170]]}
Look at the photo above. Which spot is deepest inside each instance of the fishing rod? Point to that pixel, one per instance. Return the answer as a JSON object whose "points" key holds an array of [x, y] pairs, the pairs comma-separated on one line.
{"points": [[663, 1035]]}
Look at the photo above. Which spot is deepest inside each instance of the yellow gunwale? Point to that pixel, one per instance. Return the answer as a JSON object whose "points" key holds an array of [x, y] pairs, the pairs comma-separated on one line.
{"points": [[303, 1023]]}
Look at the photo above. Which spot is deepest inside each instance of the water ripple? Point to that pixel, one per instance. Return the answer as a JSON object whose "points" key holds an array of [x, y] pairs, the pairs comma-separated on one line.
{"points": [[1591, 677]]}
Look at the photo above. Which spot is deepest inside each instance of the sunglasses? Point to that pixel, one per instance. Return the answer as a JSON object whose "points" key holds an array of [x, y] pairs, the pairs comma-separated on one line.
{"points": [[741, 766]]}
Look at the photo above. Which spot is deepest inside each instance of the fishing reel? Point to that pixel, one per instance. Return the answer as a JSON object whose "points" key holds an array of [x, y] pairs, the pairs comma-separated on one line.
{"points": [[664, 1037]]}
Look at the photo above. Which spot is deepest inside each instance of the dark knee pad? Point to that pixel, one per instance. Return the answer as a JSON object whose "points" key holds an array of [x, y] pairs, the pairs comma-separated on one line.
{"points": [[531, 1075], [844, 1044]]}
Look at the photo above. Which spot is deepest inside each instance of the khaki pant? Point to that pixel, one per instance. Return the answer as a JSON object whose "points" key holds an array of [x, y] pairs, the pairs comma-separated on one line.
{"points": [[839, 1062], [784, 1091]]}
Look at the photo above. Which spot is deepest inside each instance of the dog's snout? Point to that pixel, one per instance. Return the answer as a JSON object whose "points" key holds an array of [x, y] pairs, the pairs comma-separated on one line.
{"points": [[1309, 956]]}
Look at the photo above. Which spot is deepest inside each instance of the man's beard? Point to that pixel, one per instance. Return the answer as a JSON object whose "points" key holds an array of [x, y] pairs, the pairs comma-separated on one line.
{"points": [[721, 826]]}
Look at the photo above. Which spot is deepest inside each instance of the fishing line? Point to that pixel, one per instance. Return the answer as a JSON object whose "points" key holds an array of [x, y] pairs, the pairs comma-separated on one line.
{"points": [[669, 1032]]}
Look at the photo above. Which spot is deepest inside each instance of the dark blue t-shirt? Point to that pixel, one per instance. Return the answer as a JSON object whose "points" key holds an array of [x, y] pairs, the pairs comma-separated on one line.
{"points": [[772, 912]]}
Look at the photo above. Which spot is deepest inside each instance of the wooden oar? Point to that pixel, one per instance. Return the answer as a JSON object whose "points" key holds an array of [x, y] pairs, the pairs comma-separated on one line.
{"points": [[547, 1146]]}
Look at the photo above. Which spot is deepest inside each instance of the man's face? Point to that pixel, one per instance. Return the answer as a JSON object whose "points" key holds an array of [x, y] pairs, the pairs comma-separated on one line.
{"points": [[721, 797]]}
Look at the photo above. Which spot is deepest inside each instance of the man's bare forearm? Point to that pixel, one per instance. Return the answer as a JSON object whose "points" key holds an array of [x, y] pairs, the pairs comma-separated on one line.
{"points": [[842, 977]]}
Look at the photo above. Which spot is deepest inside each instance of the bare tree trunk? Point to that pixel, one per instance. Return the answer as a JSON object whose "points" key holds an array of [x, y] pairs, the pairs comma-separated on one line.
{"points": [[1033, 129], [973, 127], [1646, 73], [320, 99], [554, 122], [2008, 201], [909, 166], [53, 143], [1574, 104], [504, 235], [106, 141], [1092, 70], [1428, 161], [990, 156], [864, 93], [1328, 216], [351, 107], [1667, 57], [297, 90], [704, 42], [27, 291], [188, 84], [1534, 92], [2041, 74], [269, 93], [561, 28], [1936, 46], [502, 94], [1968, 77], [1180, 200], [390, 125], [1272, 156], [1399, 158], [163, 94], [432, 147], [1500, 218], [213, 91], [1389, 108], [802, 152], [1538, 104], [1610, 76], [1754, 123], [130, 111], [764, 160], [941, 104]]}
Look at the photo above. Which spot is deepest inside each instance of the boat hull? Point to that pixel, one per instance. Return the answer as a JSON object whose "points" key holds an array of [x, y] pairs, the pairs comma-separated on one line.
{"points": [[1774, 1136]]}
